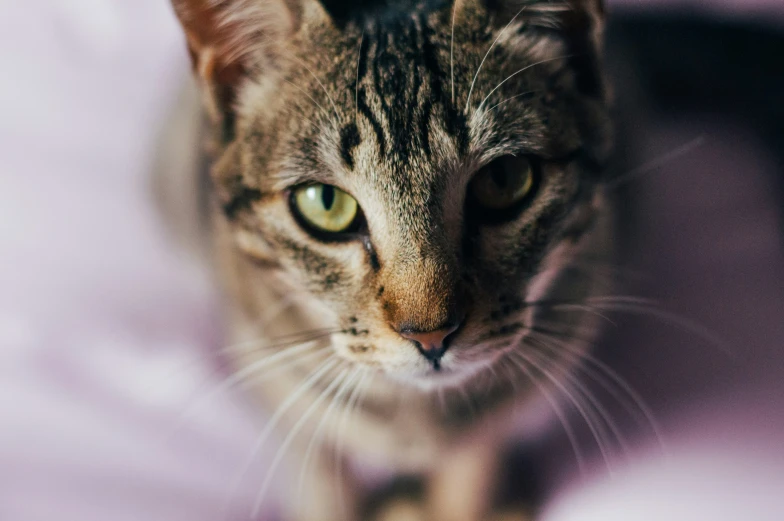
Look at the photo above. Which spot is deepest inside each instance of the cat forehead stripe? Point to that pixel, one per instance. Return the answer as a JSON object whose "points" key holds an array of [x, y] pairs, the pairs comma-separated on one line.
{"points": [[398, 67]]}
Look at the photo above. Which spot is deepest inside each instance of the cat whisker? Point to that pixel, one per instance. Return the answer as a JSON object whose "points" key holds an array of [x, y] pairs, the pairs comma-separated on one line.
{"points": [[522, 365], [242, 375], [334, 107], [511, 98], [452, 52], [320, 371], [540, 62], [656, 163], [303, 91], [318, 434], [604, 416], [613, 383], [356, 81], [284, 367], [578, 405], [643, 307], [280, 341], [467, 399], [348, 412], [492, 46], [290, 437], [197, 359]]}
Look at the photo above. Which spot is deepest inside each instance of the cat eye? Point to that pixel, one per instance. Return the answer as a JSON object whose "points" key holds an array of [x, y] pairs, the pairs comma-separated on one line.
{"points": [[325, 208], [503, 184], [501, 189]]}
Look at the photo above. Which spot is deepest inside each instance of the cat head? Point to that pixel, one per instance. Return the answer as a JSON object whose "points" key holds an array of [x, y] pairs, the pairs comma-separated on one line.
{"points": [[411, 169]]}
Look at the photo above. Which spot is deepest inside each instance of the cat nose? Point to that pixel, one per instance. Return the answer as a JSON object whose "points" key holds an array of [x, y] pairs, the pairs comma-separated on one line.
{"points": [[432, 344]]}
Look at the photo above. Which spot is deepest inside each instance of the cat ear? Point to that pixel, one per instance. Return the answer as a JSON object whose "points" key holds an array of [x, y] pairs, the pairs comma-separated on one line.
{"points": [[580, 22], [570, 16], [230, 40]]}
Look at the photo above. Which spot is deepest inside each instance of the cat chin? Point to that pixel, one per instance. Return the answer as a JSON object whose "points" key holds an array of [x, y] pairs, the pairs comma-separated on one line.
{"points": [[447, 376]]}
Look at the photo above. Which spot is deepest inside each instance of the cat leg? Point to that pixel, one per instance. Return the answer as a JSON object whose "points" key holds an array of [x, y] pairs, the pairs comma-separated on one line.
{"points": [[325, 494], [462, 488]]}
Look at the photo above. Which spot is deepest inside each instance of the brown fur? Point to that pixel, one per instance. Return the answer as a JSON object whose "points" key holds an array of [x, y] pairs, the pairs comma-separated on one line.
{"points": [[442, 91]]}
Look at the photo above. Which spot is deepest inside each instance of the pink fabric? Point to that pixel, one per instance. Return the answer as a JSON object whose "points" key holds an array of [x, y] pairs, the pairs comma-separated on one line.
{"points": [[103, 332]]}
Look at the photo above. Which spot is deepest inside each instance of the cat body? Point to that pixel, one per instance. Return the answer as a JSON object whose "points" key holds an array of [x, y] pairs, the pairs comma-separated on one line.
{"points": [[400, 197]]}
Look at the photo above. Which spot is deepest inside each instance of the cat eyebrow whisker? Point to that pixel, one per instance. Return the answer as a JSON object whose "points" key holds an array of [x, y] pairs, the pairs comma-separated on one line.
{"points": [[540, 62], [316, 103], [492, 46], [356, 82], [334, 107], [452, 51], [511, 98]]}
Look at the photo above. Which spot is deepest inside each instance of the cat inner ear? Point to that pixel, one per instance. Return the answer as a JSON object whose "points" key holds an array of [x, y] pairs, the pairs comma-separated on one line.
{"points": [[232, 41]]}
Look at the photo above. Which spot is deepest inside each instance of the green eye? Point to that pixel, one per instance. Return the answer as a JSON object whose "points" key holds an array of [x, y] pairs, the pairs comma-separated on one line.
{"points": [[503, 183], [325, 207]]}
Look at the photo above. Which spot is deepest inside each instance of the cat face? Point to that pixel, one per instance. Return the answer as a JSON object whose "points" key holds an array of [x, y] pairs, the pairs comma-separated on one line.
{"points": [[411, 173]]}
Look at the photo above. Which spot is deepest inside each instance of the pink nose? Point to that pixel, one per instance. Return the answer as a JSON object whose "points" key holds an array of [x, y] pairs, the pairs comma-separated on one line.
{"points": [[430, 343]]}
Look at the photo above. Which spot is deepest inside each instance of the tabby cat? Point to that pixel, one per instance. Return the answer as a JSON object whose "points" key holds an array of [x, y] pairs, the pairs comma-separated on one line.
{"points": [[401, 193]]}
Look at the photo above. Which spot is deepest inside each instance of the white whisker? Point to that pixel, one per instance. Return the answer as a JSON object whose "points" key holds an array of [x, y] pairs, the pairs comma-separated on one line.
{"points": [[492, 46], [604, 416], [655, 163], [632, 402], [452, 51], [577, 404], [353, 400], [334, 107], [290, 437], [356, 82], [559, 413], [510, 98], [318, 433], [284, 406], [236, 378], [479, 108], [640, 307]]}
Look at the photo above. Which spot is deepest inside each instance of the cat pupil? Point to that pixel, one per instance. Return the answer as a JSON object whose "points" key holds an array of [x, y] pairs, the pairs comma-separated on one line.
{"points": [[499, 178], [327, 196]]}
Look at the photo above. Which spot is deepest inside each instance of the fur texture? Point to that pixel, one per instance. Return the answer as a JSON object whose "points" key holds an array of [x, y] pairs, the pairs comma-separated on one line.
{"points": [[400, 105]]}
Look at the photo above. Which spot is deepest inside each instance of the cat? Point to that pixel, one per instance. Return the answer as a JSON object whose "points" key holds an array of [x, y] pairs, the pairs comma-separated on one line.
{"points": [[401, 199]]}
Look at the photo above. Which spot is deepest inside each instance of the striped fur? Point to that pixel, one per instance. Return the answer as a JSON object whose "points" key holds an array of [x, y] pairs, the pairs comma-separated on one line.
{"points": [[399, 105]]}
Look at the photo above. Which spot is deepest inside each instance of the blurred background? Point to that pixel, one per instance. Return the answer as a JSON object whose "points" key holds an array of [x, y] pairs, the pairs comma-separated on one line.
{"points": [[106, 332]]}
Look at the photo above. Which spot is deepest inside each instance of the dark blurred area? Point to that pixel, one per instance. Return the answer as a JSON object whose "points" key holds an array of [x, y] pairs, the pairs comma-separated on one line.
{"points": [[699, 164]]}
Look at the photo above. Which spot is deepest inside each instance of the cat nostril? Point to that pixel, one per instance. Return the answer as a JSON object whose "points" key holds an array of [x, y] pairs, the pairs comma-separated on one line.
{"points": [[430, 343]]}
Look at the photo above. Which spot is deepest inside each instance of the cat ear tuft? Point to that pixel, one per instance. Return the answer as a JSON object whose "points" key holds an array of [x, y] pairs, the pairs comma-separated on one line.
{"points": [[227, 41]]}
